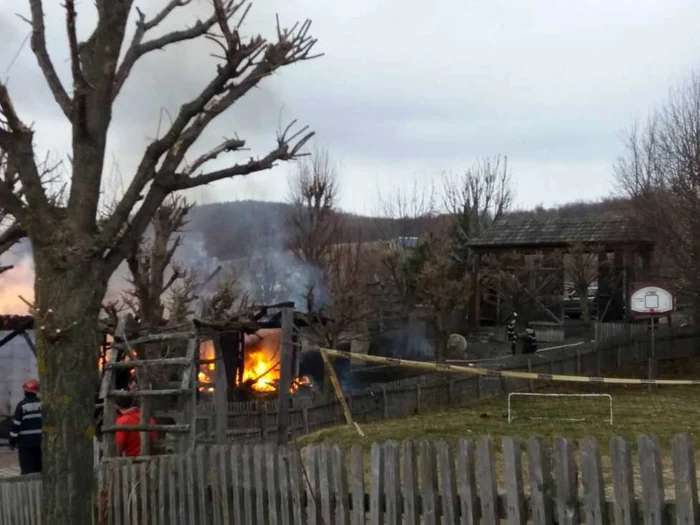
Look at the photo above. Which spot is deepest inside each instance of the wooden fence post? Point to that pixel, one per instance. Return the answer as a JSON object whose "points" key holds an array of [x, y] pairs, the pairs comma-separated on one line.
{"points": [[428, 476], [513, 476], [385, 404], [410, 484], [376, 493], [541, 488], [357, 469], [686, 481], [594, 506], [652, 480], [623, 482], [448, 488], [392, 484], [488, 490], [566, 479], [466, 483]]}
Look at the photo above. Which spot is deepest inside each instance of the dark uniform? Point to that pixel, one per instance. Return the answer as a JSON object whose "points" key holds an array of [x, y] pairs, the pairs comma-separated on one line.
{"points": [[26, 433], [511, 332], [530, 343]]}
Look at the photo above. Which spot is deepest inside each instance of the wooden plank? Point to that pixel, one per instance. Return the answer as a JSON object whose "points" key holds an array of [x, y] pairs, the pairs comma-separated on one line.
{"points": [[594, 505], [172, 490], [285, 512], [126, 492], [181, 487], [651, 472], [313, 502], [357, 472], [623, 482], [153, 506], [392, 483], [272, 477], [259, 474], [149, 393], [541, 487], [190, 487], [248, 486], [145, 487], [470, 511], [376, 512], [325, 483], [286, 366], [162, 489], [340, 487], [488, 490], [428, 479], [237, 483], [201, 466], [297, 484], [181, 429], [448, 486], [214, 482], [686, 480], [125, 365], [516, 512], [409, 473], [224, 483], [566, 483], [191, 354], [220, 392]]}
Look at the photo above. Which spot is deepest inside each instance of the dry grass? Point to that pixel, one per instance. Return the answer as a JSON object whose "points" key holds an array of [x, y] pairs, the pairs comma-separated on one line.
{"points": [[663, 412]]}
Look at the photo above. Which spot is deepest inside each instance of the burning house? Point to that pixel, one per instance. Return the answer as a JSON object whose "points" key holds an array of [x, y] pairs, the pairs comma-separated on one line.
{"points": [[252, 357]]}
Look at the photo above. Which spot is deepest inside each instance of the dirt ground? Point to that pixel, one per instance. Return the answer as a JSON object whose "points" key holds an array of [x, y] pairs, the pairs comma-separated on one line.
{"points": [[8, 463]]}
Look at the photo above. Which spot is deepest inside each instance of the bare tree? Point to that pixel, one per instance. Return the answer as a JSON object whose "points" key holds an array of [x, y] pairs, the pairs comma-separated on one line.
{"points": [[314, 221], [76, 248], [338, 305], [154, 273], [660, 172], [476, 199], [439, 284], [581, 266]]}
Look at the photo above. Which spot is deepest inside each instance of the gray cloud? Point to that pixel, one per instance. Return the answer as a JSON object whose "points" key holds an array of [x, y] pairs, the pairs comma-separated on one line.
{"points": [[405, 92]]}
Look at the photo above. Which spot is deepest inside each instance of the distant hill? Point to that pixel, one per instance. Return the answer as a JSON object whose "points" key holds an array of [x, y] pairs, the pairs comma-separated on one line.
{"points": [[229, 230]]}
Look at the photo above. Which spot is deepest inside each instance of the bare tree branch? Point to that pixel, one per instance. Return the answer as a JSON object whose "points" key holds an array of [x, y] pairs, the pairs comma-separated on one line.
{"points": [[38, 44], [229, 145]]}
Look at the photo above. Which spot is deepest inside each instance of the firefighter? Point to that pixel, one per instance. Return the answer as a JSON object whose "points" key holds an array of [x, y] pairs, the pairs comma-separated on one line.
{"points": [[511, 332], [26, 429], [530, 342]]}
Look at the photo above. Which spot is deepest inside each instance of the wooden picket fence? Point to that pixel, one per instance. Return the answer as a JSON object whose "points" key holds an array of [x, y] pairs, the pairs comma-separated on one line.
{"points": [[429, 483]]}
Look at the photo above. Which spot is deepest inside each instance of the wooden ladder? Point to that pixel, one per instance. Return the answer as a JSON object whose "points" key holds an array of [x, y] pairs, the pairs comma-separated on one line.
{"points": [[185, 386]]}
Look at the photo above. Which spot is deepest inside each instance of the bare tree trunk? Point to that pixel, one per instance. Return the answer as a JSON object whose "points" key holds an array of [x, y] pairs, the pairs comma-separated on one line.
{"points": [[441, 338], [68, 304], [585, 310]]}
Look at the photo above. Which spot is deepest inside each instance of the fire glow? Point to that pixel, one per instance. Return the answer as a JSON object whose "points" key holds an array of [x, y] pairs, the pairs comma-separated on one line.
{"points": [[261, 370]]}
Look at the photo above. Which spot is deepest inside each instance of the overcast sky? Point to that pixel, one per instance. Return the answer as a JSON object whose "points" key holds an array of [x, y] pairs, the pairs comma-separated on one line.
{"points": [[406, 91]]}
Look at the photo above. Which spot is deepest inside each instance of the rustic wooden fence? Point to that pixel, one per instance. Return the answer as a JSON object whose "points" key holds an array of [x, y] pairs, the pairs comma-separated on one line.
{"points": [[430, 483], [254, 422]]}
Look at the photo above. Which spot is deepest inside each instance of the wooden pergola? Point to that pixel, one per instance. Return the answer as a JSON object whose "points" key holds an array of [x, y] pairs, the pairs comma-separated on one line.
{"points": [[604, 234]]}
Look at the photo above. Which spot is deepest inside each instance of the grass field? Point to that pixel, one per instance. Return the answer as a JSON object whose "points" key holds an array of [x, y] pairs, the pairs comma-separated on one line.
{"points": [[663, 412]]}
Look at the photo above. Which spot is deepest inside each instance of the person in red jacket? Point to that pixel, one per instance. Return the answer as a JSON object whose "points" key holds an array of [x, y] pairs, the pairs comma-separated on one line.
{"points": [[129, 441]]}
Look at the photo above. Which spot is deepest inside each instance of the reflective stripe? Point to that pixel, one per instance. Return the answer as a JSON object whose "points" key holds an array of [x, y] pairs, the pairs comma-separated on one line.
{"points": [[29, 432], [13, 434], [18, 423], [31, 416]]}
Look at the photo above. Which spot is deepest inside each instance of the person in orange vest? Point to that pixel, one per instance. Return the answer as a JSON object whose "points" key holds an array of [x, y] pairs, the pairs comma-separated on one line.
{"points": [[26, 428], [129, 441]]}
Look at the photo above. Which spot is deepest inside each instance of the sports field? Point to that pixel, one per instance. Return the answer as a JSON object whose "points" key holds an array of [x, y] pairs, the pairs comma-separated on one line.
{"points": [[663, 411]]}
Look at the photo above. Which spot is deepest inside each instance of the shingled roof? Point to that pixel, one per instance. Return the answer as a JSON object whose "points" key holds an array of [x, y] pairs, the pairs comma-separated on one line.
{"points": [[552, 233]]}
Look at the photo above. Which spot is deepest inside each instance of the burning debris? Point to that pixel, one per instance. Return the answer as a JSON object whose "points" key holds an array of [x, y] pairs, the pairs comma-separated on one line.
{"points": [[261, 365]]}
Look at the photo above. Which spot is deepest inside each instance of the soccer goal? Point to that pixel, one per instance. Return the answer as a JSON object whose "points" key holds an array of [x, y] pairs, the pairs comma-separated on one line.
{"points": [[560, 407]]}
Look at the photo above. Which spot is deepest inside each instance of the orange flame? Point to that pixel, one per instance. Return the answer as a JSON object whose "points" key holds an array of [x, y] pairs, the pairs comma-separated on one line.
{"points": [[261, 369]]}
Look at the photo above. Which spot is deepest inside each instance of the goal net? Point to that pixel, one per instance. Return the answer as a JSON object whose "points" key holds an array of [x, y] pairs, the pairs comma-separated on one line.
{"points": [[574, 407]]}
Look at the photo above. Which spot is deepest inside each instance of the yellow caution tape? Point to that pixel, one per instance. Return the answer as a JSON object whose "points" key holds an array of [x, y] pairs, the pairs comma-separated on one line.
{"points": [[455, 369]]}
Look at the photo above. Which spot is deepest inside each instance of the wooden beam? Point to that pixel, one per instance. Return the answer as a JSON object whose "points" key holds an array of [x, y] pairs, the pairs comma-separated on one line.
{"points": [[220, 392], [286, 353]]}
